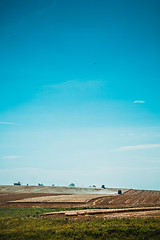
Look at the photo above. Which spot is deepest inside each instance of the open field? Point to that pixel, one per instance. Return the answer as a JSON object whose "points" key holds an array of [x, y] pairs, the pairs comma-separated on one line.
{"points": [[76, 198], [63, 197], [44, 196], [63, 213], [132, 198]]}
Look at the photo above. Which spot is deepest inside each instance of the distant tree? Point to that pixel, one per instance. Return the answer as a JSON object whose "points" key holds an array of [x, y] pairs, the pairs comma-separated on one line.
{"points": [[94, 185], [40, 184], [18, 183], [72, 185], [103, 186], [53, 185]]}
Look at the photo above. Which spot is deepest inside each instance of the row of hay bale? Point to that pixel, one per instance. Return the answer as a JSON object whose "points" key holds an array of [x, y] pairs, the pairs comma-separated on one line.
{"points": [[88, 212]]}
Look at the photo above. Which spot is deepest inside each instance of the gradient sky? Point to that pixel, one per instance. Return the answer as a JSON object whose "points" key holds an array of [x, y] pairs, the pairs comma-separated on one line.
{"points": [[79, 92]]}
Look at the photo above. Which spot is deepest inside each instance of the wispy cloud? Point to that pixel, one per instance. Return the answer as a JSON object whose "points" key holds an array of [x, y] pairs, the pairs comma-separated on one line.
{"points": [[131, 134], [135, 147], [12, 157], [77, 84], [139, 101], [6, 123]]}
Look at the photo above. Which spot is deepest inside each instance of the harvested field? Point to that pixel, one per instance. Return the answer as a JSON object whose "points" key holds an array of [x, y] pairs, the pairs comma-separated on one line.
{"points": [[78, 198], [62, 201], [131, 198], [9, 194], [5, 198], [59, 197]]}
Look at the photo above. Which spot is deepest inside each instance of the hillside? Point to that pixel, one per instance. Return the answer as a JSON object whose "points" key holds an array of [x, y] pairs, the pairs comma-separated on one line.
{"points": [[57, 190], [47, 196]]}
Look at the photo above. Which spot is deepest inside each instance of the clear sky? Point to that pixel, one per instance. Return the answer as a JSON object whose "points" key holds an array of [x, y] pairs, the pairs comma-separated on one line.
{"points": [[80, 92]]}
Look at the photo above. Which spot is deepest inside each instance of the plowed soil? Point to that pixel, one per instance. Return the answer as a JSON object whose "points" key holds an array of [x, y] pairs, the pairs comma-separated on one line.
{"points": [[132, 198]]}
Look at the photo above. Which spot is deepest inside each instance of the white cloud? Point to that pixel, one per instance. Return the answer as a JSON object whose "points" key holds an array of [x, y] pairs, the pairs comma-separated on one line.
{"points": [[139, 101], [6, 123], [12, 157], [78, 84], [145, 146]]}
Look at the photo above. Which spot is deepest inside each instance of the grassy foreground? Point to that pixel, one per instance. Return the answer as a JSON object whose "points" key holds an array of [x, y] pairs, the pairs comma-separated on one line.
{"points": [[48, 228]]}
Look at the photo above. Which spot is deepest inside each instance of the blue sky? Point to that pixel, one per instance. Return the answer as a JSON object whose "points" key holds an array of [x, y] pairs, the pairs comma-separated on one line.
{"points": [[79, 92]]}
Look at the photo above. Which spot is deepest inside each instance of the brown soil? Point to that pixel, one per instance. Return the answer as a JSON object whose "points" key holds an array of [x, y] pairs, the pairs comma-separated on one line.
{"points": [[131, 198], [5, 199]]}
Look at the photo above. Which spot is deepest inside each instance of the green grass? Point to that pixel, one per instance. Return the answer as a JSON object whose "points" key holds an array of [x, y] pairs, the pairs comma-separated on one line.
{"points": [[24, 228], [31, 212], [25, 212]]}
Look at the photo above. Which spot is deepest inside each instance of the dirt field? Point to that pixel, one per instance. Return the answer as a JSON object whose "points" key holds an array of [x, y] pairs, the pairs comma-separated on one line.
{"points": [[40, 196], [49, 197], [132, 198], [78, 198]]}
